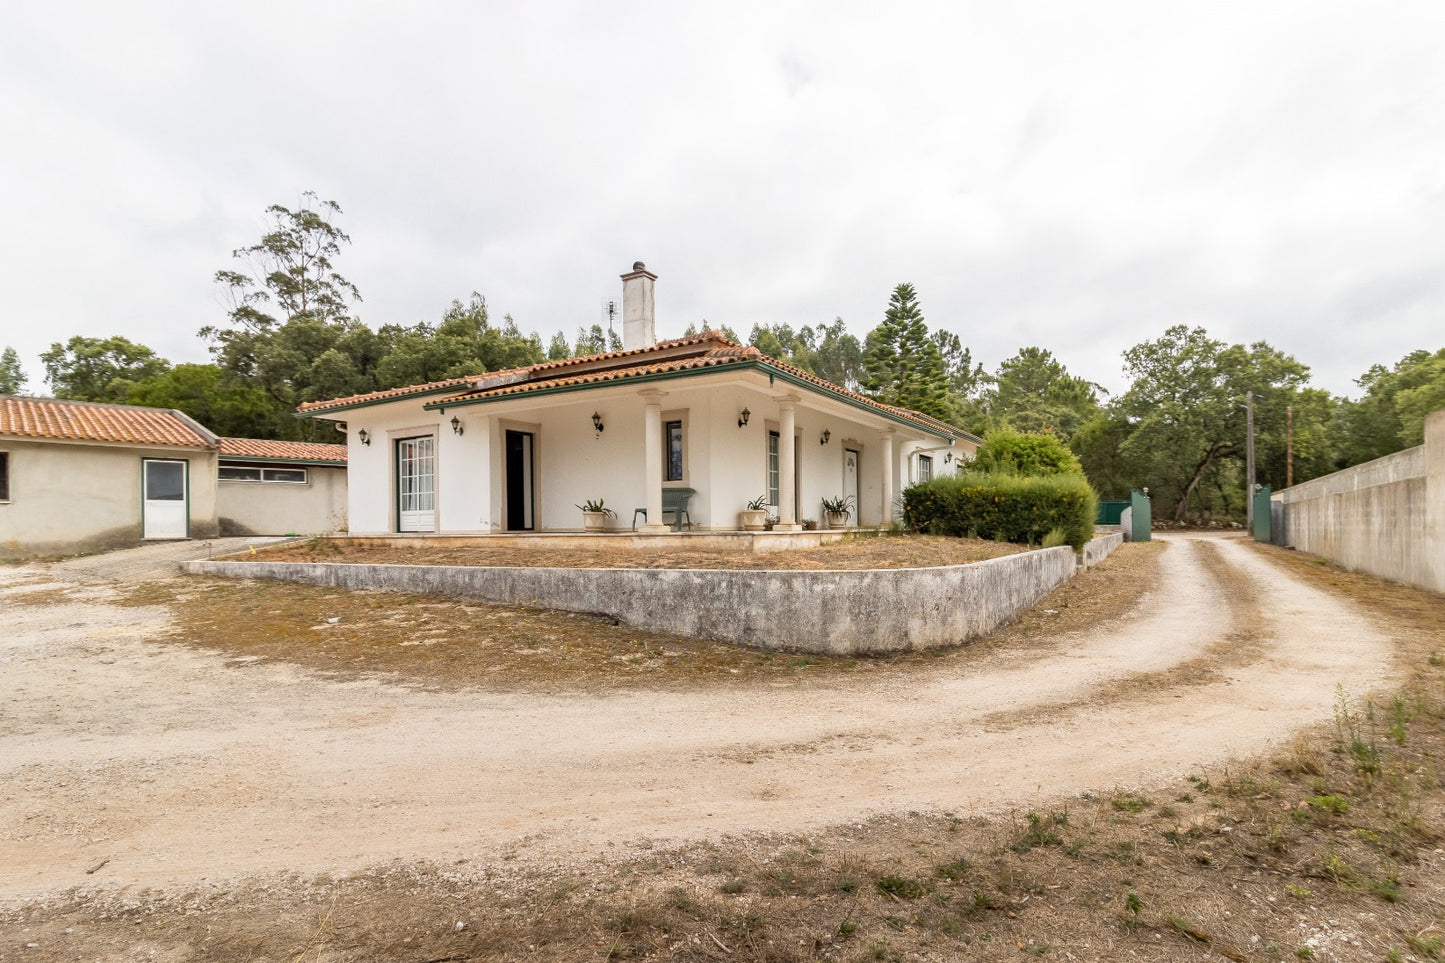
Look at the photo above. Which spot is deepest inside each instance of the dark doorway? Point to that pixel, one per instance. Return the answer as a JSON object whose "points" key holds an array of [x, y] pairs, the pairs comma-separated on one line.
{"points": [[519, 446]]}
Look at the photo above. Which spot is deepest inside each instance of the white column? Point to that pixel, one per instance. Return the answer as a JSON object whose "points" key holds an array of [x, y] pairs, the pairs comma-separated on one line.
{"points": [[888, 469], [653, 430], [787, 469]]}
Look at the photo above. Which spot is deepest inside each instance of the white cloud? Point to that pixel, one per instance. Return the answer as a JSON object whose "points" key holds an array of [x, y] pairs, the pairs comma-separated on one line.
{"points": [[1077, 177]]}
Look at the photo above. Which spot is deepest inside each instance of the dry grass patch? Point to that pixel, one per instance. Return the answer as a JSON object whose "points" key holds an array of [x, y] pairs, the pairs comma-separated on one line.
{"points": [[441, 643], [855, 552], [1328, 851]]}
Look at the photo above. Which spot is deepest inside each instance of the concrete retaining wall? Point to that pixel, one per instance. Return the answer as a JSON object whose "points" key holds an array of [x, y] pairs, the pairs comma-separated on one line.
{"points": [[1385, 517], [873, 612], [1100, 548]]}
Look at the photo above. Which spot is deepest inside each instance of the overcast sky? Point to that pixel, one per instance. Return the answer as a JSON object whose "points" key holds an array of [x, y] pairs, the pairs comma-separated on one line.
{"points": [[1074, 176]]}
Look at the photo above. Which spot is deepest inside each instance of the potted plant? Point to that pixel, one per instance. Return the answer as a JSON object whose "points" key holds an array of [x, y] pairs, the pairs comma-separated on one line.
{"points": [[754, 517], [594, 515], [837, 510]]}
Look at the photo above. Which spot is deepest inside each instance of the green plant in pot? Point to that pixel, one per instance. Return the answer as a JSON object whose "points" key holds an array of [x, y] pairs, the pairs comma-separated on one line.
{"points": [[595, 515], [754, 516], [837, 510]]}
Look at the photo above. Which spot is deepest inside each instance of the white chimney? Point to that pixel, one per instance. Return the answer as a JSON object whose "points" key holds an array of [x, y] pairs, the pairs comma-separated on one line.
{"points": [[639, 322]]}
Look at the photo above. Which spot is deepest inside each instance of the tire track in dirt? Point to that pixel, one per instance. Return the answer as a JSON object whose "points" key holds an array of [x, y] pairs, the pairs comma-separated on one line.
{"points": [[177, 767]]}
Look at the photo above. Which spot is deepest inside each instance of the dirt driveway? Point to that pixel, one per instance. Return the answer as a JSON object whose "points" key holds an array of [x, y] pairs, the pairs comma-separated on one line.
{"points": [[160, 764]]}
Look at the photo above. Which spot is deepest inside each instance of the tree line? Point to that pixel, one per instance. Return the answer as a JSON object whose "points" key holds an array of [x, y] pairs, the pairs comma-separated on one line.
{"points": [[291, 335]]}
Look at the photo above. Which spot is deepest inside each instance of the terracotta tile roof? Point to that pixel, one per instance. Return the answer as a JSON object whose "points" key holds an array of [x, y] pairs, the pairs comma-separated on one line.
{"points": [[289, 450], [52, 418], [709, 349], [716, 352], [530, 372], [371, 397]]}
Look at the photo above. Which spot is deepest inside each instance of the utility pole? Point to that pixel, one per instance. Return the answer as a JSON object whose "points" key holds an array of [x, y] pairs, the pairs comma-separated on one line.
{"points": [[1288, 446], [1249, 460]]}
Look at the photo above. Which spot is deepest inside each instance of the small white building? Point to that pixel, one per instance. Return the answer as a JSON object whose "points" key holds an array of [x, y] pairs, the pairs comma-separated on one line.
{"points": [[520, 450], [79, 476]]}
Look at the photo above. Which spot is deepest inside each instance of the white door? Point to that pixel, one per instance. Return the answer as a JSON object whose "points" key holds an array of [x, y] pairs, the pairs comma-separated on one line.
{"points": [[166, 508], [416, 484], [850, 481]]}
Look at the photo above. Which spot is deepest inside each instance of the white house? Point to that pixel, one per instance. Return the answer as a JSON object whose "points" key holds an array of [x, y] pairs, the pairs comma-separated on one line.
{"points": [[519, 450]]}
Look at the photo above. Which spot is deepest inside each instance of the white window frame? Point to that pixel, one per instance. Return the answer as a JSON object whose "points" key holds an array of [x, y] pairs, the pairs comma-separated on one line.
{"points": [[925, 468], [261, 474]]}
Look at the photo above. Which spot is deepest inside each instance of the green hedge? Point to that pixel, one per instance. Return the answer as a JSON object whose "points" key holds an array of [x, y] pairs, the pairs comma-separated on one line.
{"points": [[1005, 508]]}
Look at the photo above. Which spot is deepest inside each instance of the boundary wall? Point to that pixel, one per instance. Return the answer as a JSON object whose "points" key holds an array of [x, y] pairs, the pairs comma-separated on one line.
{"points": [[871, 612], [1385, 517]]}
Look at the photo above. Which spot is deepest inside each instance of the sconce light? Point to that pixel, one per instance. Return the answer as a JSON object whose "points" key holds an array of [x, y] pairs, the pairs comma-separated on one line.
{"points": [[597, 425], [743, 417], [826, 435], [364, 437], [456, 425]]}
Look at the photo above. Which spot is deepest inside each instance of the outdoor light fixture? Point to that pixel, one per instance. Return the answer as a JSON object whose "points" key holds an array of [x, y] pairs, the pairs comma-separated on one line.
{"points": [[948, 458], [456, 425], [826, 435], [597, 422], [743, 417], [364, 436]]}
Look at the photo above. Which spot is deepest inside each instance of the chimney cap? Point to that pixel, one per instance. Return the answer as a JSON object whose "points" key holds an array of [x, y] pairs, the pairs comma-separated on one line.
{"points": [[638, 266]]}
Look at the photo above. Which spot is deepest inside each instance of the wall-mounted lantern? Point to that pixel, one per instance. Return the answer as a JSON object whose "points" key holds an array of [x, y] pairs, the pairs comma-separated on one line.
{"points": [[364, 437], [826, 435], [743, 417], [456, 425], [597, 425]]}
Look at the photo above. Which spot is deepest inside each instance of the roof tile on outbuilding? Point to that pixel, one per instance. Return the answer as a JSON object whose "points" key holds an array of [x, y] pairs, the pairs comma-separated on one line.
{"points": [[57, 419], [283, 450]]}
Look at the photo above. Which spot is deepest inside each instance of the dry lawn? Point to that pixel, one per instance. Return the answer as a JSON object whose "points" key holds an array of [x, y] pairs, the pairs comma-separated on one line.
{"points": [[1330, 850], [855, 552]]}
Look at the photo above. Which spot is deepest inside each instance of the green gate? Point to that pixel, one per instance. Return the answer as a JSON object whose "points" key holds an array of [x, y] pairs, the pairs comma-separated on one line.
{"points": [[1261, 514], [1143, 517], [1109, 510]]}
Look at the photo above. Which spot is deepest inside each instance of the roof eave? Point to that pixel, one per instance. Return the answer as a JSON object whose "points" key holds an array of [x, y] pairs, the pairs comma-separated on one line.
{"points": [[323, 412], [774, 373]]}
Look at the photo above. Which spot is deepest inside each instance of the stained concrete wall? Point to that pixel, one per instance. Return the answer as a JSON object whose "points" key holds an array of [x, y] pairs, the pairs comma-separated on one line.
{"points": [[874, 612], [1099, 548], [72, 497], [1385, 517], [284, 508]]}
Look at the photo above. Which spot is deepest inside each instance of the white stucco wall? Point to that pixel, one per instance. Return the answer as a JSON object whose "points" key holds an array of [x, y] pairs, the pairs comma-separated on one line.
{"points": [[284, 508], [725, 464], [67, 497]]}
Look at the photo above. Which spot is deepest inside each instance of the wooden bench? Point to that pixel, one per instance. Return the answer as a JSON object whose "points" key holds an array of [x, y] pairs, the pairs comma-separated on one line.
{"points": [[674, 503]]}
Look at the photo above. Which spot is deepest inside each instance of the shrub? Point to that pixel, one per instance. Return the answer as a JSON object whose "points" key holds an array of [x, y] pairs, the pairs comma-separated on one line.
{"points": [[1010, 452], [1006, 508]]}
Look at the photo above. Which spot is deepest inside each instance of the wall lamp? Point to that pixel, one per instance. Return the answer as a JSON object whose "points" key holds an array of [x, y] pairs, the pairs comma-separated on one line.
{"points": [[364, 437], [743, 417], [456, 425], [597, 424], [826, 435]]}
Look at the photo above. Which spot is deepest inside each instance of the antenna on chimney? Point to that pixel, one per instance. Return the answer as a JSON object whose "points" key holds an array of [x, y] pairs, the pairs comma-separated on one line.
{"points": [[610, 310]]}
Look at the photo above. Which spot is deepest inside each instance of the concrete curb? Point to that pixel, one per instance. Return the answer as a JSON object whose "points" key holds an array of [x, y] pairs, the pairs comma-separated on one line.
{"points": [[871, 612]]}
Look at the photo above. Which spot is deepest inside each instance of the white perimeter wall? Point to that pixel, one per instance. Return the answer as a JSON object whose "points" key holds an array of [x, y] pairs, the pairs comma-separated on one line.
{"points": [[1385, 517]]}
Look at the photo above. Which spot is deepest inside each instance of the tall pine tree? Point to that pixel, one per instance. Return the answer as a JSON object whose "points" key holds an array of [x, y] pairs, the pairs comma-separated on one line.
{"points": [[902, 365]]}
